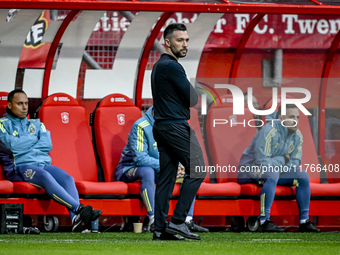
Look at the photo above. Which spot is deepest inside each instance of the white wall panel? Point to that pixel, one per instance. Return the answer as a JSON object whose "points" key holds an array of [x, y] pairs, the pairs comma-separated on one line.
{"points": [[12, 39]]}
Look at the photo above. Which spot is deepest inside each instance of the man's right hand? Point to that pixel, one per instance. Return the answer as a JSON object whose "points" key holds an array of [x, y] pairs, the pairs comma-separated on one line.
{"points": [[287, 158], [180, 171]]}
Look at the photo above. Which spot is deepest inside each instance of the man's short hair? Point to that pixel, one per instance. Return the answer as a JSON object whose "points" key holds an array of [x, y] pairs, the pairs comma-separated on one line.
{"points": [[173, 27], [287, 107], [12, 93]]}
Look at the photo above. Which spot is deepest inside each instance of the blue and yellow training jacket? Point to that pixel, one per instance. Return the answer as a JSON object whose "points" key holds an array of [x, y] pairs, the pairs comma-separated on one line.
{"points": [[23, 142], [271, 143], [141, 148]]}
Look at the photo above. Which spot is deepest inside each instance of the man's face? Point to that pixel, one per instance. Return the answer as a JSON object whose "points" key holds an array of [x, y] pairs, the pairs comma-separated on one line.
{"points": [[291, 118], [178, 43], [19, 105]]}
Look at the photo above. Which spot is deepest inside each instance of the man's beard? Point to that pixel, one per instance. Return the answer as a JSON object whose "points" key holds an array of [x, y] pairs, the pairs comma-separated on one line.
{"points": [[178, 53]]}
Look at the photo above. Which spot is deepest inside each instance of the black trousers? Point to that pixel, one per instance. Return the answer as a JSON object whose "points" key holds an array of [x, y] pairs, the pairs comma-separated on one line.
{"points": [[176, 143]]}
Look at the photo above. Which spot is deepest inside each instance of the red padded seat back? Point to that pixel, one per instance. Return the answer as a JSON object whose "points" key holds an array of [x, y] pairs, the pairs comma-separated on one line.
{"points": [[309, 155], [113, 120], [226, 143], [71, 139], [3, 103], [195, 125]]}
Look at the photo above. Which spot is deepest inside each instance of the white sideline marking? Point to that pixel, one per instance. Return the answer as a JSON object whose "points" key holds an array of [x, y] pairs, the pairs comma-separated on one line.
{"points": [[276, 240]]}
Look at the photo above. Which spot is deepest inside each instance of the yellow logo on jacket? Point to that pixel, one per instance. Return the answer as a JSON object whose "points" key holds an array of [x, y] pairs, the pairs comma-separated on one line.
{"points": [[31, 129], [291, 147]]}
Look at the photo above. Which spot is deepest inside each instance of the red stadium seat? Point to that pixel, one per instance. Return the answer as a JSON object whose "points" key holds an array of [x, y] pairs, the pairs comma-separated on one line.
{"points": [[6, 187], [112, 121], [226, 143], [3, 103], [209, 190], [72, 146]]}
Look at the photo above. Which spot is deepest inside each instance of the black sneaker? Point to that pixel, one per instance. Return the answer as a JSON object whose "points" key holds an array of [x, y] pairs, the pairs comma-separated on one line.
{"points": [[308, 227], [195, 227], [269, 226], [31, 231], [83, 218]]}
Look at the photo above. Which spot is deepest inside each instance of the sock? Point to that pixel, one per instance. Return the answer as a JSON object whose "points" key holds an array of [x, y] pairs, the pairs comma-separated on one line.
{"points": [[73, 218], [76, 210], [262, 221], [151, 219], [303, 221], [188, 218]]}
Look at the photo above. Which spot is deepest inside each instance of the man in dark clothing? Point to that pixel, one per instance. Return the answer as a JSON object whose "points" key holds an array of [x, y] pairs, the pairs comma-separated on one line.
{"points": [[177, 142]]}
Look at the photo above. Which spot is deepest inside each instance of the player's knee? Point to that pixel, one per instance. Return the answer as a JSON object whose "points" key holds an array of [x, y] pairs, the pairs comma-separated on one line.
{"points": [[68, 178], [274, 176], [148, 175], [303, 175], [43, 175], [272, 180]]}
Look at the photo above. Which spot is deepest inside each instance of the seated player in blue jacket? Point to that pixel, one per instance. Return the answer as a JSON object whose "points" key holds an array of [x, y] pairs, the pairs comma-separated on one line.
{"points": [[24, 147], [273, 158], [140, 161]]}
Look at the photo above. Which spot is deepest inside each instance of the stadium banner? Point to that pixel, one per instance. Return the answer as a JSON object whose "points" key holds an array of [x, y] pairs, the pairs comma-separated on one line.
{"points": [[34, 52], [280, 31]]}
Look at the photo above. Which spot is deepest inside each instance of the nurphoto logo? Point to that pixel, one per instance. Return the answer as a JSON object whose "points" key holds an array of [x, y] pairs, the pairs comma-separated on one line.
{"points": [[238, 105]]}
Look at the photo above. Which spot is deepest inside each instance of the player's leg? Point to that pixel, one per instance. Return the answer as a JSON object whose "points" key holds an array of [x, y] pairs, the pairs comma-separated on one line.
{"points": [[189, 221], [67, 182], [38, 176], [184, 146], [165, 184], [269, 181], [267, 195], [147, 191], [164, 188], [64, 179], [300, 179]]}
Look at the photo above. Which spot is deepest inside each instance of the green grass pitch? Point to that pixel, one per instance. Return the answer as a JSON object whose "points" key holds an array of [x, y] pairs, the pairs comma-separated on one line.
{"points": [[131, 243]]}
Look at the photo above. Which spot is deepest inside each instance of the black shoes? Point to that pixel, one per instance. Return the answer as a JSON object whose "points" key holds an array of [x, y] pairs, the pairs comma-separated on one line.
{"points": [[181, 229], [308, 227], [269, 226], [163, 236], [83, 218], [195, 227]]}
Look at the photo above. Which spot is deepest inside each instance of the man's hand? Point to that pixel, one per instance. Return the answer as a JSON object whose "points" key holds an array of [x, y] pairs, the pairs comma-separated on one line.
{"points": [[180, 171], [287, 158]]}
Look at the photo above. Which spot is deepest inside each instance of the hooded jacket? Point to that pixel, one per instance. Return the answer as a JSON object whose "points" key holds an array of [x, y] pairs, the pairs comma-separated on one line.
{"points": [[141, 148], [269, 146], [23, 142]]}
